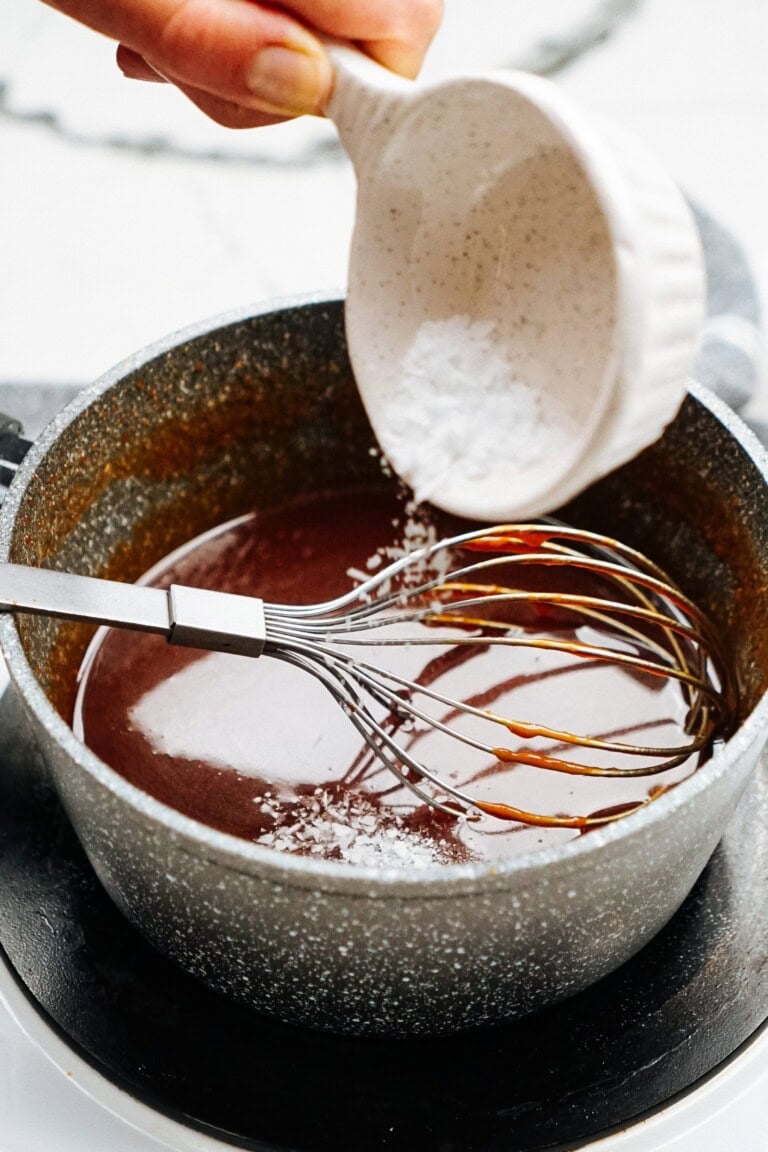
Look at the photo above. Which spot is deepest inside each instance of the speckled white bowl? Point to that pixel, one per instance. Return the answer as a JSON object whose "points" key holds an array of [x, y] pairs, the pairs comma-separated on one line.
{"points": [[247, 410], [494, 199]]}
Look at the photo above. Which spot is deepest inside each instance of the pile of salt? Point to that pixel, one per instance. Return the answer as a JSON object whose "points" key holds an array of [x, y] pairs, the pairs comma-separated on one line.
{"points": [[459, 413]]}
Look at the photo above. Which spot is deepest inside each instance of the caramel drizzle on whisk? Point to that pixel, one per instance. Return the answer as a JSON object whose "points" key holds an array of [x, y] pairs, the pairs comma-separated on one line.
{"points": [[678, 643]]}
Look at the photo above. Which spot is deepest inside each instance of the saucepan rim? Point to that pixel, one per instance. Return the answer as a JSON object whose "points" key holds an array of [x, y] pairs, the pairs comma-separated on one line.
{"points": [[232, 852]]}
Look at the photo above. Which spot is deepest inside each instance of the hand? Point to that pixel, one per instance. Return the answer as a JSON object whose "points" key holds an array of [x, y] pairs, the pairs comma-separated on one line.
{"points": [[246, 64]]}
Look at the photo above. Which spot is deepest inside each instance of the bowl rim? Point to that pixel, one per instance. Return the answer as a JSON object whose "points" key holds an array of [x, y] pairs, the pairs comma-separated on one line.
{"points": [[652, 231], [239, 855]]}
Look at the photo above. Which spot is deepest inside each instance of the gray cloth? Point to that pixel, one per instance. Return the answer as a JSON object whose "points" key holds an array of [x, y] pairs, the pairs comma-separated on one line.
{"points": [[729, 360]]}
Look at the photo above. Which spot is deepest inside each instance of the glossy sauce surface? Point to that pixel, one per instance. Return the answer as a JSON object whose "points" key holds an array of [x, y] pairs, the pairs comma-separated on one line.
{"points": [[261, 750]]}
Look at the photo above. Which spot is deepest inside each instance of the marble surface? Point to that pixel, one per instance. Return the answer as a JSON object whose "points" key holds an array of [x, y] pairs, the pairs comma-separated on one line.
{"points": [[124, 214]]}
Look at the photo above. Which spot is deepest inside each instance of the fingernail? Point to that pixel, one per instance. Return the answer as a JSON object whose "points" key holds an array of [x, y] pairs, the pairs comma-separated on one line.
{"points": [[290, 81]]}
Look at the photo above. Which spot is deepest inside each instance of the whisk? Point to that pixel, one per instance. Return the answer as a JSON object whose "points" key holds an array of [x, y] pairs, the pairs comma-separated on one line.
{"points": [[466, 590]]}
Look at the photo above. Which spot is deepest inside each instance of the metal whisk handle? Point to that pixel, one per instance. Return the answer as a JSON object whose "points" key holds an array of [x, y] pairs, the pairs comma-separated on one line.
{"points": [[220, 621], [190, 617]]}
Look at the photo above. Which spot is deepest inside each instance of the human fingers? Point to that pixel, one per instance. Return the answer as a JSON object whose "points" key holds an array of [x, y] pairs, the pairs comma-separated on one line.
{"points": [[224, 112], [237, 51], [397, 33], [135, 67]]}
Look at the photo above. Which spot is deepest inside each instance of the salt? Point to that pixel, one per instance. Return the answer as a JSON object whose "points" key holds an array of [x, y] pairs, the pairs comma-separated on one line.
{"points": [[419, 533], [350, 826], [458, 411]]}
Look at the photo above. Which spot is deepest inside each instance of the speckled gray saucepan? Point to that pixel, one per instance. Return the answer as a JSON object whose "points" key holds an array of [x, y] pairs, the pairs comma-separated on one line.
{"points": [[246, 412]]}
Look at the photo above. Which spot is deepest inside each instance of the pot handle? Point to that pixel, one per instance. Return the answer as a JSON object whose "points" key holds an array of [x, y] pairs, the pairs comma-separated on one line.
{"points": [[13, 448]]}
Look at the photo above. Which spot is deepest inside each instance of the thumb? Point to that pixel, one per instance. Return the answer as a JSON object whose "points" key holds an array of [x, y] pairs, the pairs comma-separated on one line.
{"points": [[237, 50]]}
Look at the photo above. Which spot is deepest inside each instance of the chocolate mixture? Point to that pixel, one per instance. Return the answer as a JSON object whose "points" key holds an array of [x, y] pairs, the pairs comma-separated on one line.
{"points": [[259, 749]]}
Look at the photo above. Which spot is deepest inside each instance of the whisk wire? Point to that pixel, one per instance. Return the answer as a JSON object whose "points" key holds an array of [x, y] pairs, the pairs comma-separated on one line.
{"points": [[647, 626]]}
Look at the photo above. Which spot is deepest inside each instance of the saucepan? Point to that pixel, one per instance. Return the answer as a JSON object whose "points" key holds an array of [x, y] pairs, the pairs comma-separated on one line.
{"points": [[248, 411]]}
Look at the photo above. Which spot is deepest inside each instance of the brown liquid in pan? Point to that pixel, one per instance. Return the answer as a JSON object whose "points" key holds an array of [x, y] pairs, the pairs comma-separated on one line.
{"points": [[258, 749]]}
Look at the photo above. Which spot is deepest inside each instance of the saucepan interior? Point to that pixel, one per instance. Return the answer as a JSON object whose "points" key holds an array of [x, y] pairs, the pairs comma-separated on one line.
{"points": [[245, 413], [253, 412]]}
